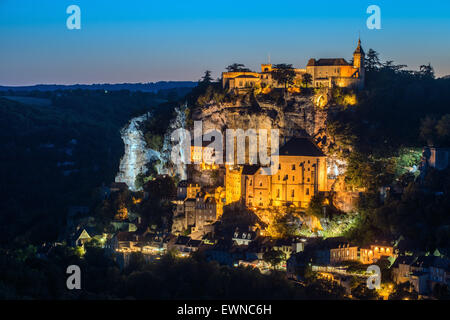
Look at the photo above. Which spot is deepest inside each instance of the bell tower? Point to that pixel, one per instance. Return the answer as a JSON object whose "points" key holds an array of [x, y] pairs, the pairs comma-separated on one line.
{"points": [[358, 59]]}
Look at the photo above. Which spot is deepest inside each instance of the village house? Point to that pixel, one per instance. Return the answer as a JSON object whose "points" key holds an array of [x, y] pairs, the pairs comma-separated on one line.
{"points": [[243, 237], [422, 272], [196, 209]]}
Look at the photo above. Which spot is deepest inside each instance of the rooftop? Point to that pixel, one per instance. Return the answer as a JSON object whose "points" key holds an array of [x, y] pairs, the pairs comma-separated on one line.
{"points": [[301, 147], [328, 62]]}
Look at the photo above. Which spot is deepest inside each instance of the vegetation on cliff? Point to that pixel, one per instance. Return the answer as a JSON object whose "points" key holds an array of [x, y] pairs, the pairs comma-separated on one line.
{"points": [[397, 114]]}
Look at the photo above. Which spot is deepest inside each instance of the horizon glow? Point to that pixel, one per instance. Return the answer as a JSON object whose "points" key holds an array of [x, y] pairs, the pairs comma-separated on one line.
{"points": [[148, 41]]}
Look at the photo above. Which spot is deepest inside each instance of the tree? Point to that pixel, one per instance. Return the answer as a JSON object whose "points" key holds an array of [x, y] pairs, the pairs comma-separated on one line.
{"points": [[237, 67], [362, 292], [206, 79], [372, 61], [427, 130], [443, 128], [390, 66], [306, 79], [403, 291], [315, 207], [274, 257], [284, 74], [426, 71]]}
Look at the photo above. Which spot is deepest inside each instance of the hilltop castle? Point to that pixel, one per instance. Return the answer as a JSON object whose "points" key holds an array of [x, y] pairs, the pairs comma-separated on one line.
{"points": [[324, 73]]}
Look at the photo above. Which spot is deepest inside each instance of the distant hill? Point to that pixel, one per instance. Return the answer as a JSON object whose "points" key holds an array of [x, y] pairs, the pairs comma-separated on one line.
{"points": [[144, 87]]}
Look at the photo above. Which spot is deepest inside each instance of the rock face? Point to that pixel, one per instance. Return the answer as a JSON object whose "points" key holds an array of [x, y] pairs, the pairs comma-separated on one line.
{"points": [[137, 155], [299, 116], [166, 166]]}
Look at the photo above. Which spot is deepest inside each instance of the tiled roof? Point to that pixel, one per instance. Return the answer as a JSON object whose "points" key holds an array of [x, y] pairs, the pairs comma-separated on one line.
{"points": [[328, 62], [300, 147], [250, 169]]}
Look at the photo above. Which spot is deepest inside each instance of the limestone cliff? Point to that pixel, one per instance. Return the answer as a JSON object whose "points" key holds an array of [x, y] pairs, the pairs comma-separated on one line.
{"points": [[295, 116]]}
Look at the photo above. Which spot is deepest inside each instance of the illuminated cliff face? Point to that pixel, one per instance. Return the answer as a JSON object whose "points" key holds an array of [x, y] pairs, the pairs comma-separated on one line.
{"points": [[136, 156], [166, 166]]}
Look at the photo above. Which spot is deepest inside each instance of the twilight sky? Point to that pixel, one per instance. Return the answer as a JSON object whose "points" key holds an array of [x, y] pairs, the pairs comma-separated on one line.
{"points": [[152, 40]]}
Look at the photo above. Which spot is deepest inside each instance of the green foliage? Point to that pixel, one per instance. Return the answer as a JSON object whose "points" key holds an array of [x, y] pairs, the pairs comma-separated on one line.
{"points": [[315, 206], [368, 171], [47, 150], [167, 278], [274, 257], [237, 67], [420, 214], [306, 79], [157, 208], [283, 74], [214, 93], [436, 132], [403, 291], [362, 292]]}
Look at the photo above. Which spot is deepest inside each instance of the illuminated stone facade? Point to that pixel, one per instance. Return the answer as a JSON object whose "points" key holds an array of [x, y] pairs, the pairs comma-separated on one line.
{"points": [[302, 173], [203, 155], [324, 72]]}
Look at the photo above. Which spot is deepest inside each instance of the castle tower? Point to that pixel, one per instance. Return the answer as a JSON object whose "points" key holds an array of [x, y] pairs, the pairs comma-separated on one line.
{"points": [[358, 59]]}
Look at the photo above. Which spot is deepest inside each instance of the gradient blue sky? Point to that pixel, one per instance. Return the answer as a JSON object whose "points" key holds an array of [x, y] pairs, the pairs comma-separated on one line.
{"points": [[151, 40]]}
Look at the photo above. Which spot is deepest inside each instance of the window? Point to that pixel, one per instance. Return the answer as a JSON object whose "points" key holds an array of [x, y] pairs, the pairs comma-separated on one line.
{"points": [[279, 166], [293, 178], [278, 193], [293, 193], [250, 182], [307, 191], [279, 177], [260, 184], [293, 167]]}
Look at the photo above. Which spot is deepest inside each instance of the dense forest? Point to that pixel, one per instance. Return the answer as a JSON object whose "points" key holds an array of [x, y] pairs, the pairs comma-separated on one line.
{"points": [[57, 148], [382, 137]]}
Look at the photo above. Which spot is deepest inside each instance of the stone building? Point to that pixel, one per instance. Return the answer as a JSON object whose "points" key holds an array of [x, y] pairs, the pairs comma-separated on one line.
{"points": [[343, 252], [327, 73], [194, 208], [302, 173], [375, 252], [203, 155], [422, 272]]}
